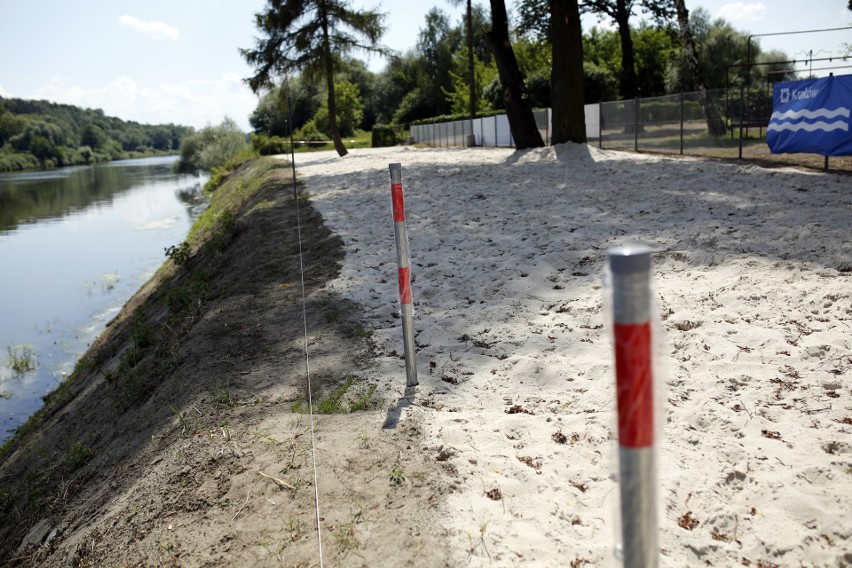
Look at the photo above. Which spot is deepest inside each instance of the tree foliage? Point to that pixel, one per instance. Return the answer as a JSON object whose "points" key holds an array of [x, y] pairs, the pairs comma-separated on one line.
{"points": [[350, 110], [433, 78], [311, 37], [46, 134], [211, 147]]}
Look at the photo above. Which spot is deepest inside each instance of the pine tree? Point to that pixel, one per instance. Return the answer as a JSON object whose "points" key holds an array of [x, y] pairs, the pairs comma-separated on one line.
{"points": [[311, 37]]}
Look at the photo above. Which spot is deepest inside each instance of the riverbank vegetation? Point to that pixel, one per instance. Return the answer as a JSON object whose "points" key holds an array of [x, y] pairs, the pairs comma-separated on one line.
{"points": [[43, 134]]}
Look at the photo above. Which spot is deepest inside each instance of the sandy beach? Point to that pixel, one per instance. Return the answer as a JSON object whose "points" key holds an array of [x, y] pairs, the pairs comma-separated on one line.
{"points": [[183, 438], [752, 277]]}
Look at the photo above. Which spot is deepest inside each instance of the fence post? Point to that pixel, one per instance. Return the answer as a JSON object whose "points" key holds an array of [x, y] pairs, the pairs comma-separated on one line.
{"points": [[547, 126], [631, 270], [403, 258], [600, 124], [742, 118], [681, 123], [636, 124]]}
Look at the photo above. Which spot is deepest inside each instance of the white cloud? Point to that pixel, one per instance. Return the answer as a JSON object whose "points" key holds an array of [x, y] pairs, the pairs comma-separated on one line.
{"points": [[191, 103], [738, 11], [157, 30], [4, 93]]}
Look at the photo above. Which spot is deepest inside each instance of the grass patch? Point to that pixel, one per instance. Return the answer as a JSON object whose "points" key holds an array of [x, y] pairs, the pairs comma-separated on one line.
{"points": [[359, 331], [222, 394], [344, 399], [366, 399], [333, 402], [78, 455]]}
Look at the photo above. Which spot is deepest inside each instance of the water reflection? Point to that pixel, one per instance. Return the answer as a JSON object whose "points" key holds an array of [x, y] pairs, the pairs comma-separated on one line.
{"points": [[75, 244]]}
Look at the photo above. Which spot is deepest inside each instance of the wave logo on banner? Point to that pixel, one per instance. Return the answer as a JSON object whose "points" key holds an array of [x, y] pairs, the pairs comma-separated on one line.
{"points": [[812, 117]]}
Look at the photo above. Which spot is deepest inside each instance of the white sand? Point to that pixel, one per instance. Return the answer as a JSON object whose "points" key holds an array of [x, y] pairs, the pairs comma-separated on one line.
{"points": [[752, 276]]}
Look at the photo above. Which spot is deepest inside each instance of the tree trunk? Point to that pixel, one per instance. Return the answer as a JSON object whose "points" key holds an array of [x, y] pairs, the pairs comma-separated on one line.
{"points": [[329, 80], [629, 82], [470, 68], [515, 98], [566, 78], [715, 124]]}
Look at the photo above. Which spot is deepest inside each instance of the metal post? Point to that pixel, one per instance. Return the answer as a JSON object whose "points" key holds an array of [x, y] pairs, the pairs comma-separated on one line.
{"points": [[742, 118], [681, 123], [636, 124], [403, 258], [631, 271], [600, 125]]}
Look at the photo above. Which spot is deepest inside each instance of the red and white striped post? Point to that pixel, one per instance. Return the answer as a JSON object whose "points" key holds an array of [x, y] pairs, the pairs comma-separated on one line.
{"points": [[403, 258], [631, 285]]}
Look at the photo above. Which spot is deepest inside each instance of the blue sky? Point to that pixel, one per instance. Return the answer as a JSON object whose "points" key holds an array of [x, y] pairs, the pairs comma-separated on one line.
{"points": [[163, 61]]}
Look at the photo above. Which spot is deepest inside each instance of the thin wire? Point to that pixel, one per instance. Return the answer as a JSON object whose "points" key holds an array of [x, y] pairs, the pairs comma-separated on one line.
{"points": [[305, 324]]}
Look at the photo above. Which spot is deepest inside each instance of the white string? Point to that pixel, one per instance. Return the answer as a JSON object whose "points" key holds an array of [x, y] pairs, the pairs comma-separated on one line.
{"points": [[305, 325]]}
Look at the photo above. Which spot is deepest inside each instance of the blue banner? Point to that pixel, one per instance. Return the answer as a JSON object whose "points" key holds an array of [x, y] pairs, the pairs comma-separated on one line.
{"points": [[811, 117]]}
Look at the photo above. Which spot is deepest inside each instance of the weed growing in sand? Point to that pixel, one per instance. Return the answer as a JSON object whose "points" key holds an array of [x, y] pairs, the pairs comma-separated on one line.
{"points": [[360, 331], [142, 334], [267, 439], [21, 359], [294, 525], [180, 298], [346, 538], [336, 400], [78, 455], [366, 400], [225, 231], [472, 544], [397, 477], [184, 427], [222, 394], [363, 440], [332, 403]]}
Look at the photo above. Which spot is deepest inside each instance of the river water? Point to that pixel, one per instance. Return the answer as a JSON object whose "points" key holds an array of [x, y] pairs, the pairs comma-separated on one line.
{"points": [[75, 245]]}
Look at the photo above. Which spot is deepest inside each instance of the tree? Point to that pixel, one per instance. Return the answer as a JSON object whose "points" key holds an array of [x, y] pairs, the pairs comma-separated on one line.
{"points": [[94, 137], [515, 98], [471, 67], [459, 96], [311, 37], [534, 18], [723, 54], [271, 115], [715, 124], [775, 67], [620, 11], [437, 44], [211, 147], [350, 110], [566, 79]]}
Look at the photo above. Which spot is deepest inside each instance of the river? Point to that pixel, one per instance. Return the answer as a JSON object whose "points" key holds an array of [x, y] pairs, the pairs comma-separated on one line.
{"points": [[75, 245]]}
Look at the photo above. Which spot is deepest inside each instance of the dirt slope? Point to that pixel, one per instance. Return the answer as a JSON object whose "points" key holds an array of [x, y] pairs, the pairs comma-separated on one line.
{"points": [[183, 440]]}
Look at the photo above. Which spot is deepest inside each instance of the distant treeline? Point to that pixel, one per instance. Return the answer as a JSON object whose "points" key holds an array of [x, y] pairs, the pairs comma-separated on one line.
{"points": [[42, 134]]}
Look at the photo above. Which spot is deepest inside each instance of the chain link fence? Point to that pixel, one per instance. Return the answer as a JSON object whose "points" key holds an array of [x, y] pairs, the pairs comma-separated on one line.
{"points": [[720, 122], [724, 123]]}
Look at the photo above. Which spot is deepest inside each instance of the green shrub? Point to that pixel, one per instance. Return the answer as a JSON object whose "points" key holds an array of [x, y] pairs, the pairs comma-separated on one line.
{"points": [[269, 145], [310, 133], [217, 177], [179, 254], [212, 147], [387, 135]]}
